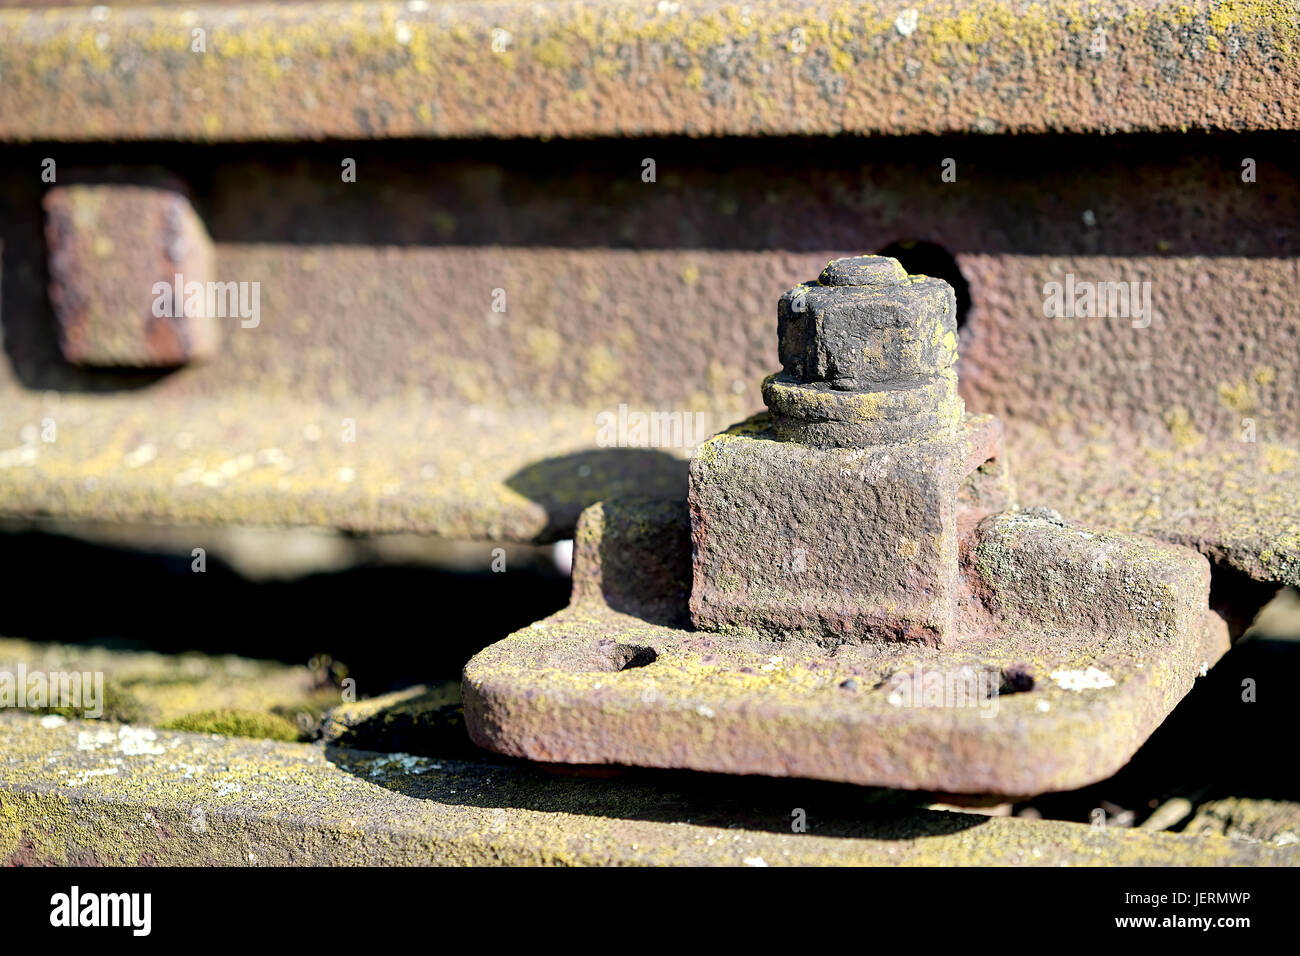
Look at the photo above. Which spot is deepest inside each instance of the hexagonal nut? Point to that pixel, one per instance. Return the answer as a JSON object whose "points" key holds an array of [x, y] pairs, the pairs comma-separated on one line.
{"points": [[116, 245], [863, 336]]}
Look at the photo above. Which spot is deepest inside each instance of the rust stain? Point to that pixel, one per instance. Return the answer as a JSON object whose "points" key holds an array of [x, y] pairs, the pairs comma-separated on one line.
{"points": [[576, 69]]}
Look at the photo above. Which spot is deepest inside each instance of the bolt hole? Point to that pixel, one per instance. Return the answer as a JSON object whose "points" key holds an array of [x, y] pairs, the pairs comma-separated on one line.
{"points": [[931, 259], [604, 656], [1016, 679], [627, 656]]}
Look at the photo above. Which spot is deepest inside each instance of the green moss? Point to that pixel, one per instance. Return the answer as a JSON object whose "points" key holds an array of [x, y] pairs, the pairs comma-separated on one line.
{"points": [[280, 804], [236, 723], [119, 705]]}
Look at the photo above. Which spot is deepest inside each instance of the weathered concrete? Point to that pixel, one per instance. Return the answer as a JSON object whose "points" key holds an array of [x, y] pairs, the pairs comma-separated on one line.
{"points": [[425, 719], [138, 797], [188, 691], [1251, 820]]}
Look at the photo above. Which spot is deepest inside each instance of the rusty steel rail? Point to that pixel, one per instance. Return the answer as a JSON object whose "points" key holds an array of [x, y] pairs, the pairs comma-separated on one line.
{"points": [[308, 71], [377, 295], [474, 234]]}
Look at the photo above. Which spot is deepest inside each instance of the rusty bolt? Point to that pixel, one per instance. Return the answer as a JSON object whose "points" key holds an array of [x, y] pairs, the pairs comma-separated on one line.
{"points": [[114, 240], [863, 482], [867, 353]]}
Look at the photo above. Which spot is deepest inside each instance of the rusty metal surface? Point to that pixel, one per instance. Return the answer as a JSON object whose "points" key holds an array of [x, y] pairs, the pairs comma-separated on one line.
{"points": [[834, 518], [834, 545], [857, 617], [451, 470], [385, 391], [377, 298], [317, 70], [620, 290], [1082, 684], [112, 242], [462, 473], [1236, 502], [707, 704], [867, 355]]}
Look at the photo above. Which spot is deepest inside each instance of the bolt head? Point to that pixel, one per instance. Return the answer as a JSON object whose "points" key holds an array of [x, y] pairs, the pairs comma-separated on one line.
{"points": [[870, 325], [112, 236], [863, 270]]}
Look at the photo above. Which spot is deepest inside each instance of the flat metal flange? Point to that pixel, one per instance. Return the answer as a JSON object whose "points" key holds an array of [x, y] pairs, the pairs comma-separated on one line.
{"points": [[870, 604], [1011, 710]]}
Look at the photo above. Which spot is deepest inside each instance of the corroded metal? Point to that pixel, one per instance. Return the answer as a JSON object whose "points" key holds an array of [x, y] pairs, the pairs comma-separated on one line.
{"points": [[868, 355], [595, 684], [478, 424], [626, 67], [126, 251], [652, 294], [835, 516], [438, 468], [377, 296], [860, 614]]}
